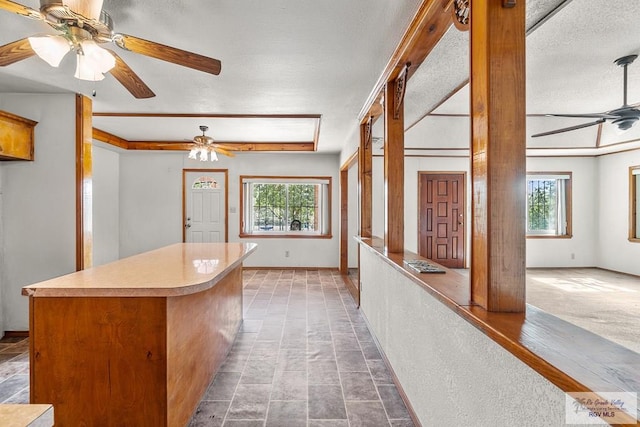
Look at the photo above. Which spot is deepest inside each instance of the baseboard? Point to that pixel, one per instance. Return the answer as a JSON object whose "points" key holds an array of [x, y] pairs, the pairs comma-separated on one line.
{"points": [[16, 334], [403, 395]]}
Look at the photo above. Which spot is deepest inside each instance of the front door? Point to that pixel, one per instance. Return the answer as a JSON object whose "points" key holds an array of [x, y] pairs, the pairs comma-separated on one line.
{"points": [[205, 206], [441, 218]]}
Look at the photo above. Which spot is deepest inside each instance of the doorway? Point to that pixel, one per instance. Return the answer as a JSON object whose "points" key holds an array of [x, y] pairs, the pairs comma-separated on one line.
{"points": [[441, 220], [204, 201]]}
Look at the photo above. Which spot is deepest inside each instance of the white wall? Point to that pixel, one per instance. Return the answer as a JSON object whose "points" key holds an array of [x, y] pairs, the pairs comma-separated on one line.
{"points": [[106, 205], [578, 251], [38, 206], [452, 374], [151, 203], [614, 251]]}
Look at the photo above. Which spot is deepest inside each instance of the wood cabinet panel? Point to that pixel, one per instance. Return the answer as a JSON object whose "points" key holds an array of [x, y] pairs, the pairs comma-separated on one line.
{"points": [[16, 137]]}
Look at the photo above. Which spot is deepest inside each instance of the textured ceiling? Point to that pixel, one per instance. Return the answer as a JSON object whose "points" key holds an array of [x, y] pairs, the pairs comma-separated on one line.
{"points": [[278, 57], [311, 57]]}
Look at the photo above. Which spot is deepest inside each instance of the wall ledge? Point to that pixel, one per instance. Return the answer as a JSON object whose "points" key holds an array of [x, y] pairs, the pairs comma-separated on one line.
{"points": [[571, 358]]}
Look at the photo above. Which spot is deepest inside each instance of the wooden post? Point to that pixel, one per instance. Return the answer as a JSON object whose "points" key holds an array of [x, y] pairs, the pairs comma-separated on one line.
{"points": [[84, 194], [394, 164], [498, 155], [365, 182]]}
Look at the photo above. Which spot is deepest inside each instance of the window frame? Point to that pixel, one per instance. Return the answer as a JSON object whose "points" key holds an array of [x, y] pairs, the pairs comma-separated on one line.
{"points": [[288, 234], [634, 201], [568, 205]]}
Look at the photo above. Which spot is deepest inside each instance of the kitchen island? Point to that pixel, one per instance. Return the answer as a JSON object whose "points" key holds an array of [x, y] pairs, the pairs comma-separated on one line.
{"points": [[137, 341]]}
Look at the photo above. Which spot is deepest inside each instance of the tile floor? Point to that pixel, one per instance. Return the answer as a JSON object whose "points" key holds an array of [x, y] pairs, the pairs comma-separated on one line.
{"points": [[303, 357]]}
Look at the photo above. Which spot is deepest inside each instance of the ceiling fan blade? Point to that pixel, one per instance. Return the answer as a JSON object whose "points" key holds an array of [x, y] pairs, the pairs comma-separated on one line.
{"points": [[584, 125], [20, 9], [587, 115], [129, 79], [223, 151], [15, 51], [168, 53]]}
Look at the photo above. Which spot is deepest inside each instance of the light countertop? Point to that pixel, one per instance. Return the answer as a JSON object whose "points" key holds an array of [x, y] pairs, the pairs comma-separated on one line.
{"points": [[179, 269]]}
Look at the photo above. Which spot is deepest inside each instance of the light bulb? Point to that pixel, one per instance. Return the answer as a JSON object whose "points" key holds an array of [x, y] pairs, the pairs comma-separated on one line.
{"points": [[193, 154], [50, 48], [93, 61], [214, 156]]}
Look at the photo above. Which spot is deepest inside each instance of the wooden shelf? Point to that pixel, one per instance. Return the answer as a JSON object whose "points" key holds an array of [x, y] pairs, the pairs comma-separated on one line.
{"points": [[16, 137]]}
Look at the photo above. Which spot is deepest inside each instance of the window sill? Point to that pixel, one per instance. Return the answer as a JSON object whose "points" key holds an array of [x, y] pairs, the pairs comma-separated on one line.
{"points": [[284, 235], [634, 240], [548, 236]]}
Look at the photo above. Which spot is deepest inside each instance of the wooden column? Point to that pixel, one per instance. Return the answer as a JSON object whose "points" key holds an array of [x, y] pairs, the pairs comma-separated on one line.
{"points": [[84, 183], [365, 182], [344, 221], [498, 155], [394, 164]]}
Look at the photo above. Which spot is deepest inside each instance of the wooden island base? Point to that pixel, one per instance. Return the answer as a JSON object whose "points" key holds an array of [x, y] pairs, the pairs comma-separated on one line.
{"points": [[131, 360]]}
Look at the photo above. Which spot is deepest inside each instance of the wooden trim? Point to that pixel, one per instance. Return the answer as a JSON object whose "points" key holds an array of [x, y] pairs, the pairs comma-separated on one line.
{"points": [[344, 211], [429, 24], [16, 137], [210, 115], [394, 170], [231, 145], [287, 235], [117, 141], [498, 156], [633, 204], [109, 138], [84, 193], [344, 221], [16, 334], [226, 199], [365, 178]]}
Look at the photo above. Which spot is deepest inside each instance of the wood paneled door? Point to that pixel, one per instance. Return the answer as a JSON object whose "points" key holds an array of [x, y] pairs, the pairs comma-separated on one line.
{"points": [[441, 218]]}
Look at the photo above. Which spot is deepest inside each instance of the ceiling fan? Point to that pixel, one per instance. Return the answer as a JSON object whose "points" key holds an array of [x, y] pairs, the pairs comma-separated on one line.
{"points": [[205, 148], [623, 117], [81, 26]]}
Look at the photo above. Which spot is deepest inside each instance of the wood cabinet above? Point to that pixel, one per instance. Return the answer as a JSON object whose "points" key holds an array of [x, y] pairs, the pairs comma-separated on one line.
{"points": [[16, 137]]}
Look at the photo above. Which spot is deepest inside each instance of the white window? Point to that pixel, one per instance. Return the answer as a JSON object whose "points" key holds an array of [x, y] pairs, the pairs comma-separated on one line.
{"points": [[292, 206], [549, 204], [634, 203]]}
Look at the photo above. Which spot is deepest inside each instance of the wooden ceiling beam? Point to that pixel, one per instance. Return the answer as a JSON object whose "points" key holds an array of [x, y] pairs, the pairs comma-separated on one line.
{"points": [[232, 146], [109, 138]]}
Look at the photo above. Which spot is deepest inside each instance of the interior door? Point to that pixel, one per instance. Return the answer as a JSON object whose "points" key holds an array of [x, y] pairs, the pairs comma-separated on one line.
{"points": [[205, 206], [441, 218]]}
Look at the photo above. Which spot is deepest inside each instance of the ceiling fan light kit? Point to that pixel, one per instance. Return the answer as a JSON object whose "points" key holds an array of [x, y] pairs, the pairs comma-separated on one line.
{"points": [[623, 117], [82, 26], [204, 147]]}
